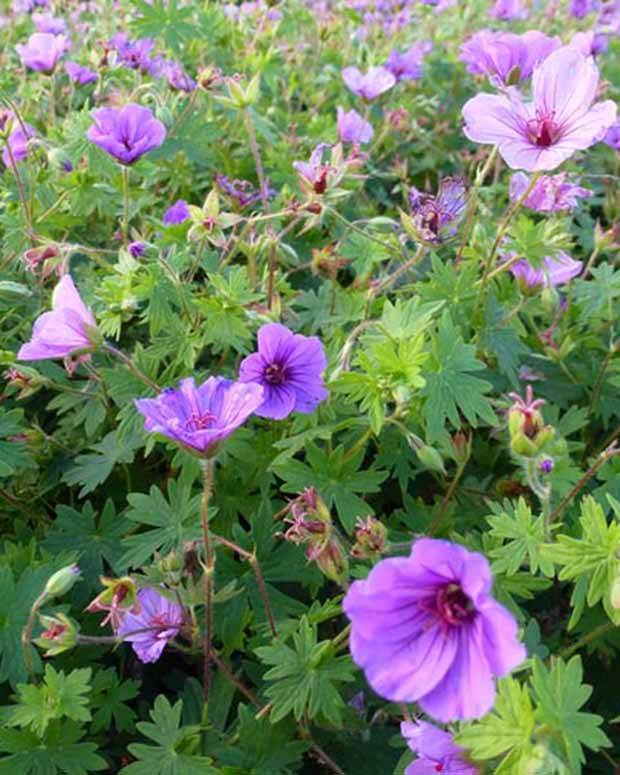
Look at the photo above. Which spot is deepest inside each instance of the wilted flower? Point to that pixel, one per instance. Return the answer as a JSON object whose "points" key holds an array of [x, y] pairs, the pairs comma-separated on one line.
{"points": [[69, 328], [505, 57], [370, 539], [554, 270], [540, 135], [508, 9], [551, 193], [436, 218], [314, 172], [199, 418], [42, 51], [126, 133], [79, 74], [158, 621], [176, 213], [435, 751], [119, 597], [426, 629], [60, 634], [352, 128], [289, 368], [368, 85], [408, 65]]}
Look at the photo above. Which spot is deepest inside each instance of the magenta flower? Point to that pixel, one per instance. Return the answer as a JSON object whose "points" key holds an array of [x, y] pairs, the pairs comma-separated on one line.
{"points": [[554, 271], [408, 65], [540, 135], [435, 750], [508, 10], [436, 218], [42, 51], [126, 133], [79, 74], [199, 418], [176, 213], [505, 57], [69, 328], [159, 619], [18, 142], [352, 128], [289, 368], [551, 193], [426, 629], [368, 85]]}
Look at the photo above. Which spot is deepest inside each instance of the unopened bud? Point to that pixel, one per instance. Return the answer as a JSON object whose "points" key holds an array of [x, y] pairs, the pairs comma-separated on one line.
{"points": [[331, 561], [171, 566], [430, 458], [60, 583], [370, 539]]}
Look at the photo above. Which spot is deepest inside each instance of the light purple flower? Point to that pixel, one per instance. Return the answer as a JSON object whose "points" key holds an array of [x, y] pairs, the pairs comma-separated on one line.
{"points": [[314, 172], [352, 128], [561, 119], [612, 136], [79, 74], [200, 418], [408, 65], [176, 76], [426, 629], [42, 51], [505, 57], [18, 142], [46, 22], [581, 8], [436, 218], [555, 270], [176, 213], [126, 133], [69, 327], [159, 618], [435, 750], [289, 367], [551, 193], [508, 10], [368, 85], [589, 43]]}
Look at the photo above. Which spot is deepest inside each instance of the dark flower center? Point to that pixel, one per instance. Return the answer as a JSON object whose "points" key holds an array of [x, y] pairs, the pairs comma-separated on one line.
{"points": [[453, 605], [543, 131], [275, 374], [199, 422]]}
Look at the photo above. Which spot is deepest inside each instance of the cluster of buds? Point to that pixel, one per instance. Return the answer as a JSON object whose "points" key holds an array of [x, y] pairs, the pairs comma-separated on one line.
{"points": [[60, 634], [528, 433], [370, 539], [119, 597], [326, 263], [310, 524]]}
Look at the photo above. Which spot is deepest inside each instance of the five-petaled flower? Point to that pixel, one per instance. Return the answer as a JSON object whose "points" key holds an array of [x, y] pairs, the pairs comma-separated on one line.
{"points": [[42, 51], [126, 133], [159, 620]]}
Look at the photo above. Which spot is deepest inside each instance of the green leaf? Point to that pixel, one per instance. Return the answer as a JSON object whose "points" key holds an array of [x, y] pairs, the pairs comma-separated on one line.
{"points": [[450, 387], [174, 752], [14, 453], [109, 697], [522, 537], [92, 469]]}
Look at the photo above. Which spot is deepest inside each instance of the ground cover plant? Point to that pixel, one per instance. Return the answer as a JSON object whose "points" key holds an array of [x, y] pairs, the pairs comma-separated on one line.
{"points": [[309, 415]]}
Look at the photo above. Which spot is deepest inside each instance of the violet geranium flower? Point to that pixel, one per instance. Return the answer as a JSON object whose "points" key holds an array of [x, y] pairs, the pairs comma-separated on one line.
{"points": [[561, 119], [368, 85], [18, 142], [176, 213], [508, 10], [408, 65], [126, 133], [42, 51], [69, 328], [551, 193], [79, 74], [158, 621], [352, 128], [436, 218], [289, 367], [426, 629], [554, 271], [199, 418], [46, 22], [435, 750]]}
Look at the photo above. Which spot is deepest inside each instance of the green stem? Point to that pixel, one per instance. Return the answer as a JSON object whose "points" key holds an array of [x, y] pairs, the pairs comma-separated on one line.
{"points": [[107, 347], [593, 635], [125, 172], [473, 202], [209, 569], [27, 631]]}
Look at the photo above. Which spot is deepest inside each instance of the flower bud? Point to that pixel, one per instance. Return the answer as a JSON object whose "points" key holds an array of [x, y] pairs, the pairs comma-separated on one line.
{"points": [[430, 458], [60, 583], [614, 592], [331, 561], [171, 567], [528, 433], [370, 539], [60, 634]]}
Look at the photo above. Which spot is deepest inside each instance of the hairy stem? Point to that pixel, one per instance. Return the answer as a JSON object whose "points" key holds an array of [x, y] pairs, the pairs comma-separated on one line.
{"points": [[120, 355], [209, 569], [27, 631]]}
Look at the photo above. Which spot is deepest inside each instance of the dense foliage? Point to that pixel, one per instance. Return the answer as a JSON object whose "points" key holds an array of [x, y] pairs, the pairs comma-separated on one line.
{"points": [[184, 566]]}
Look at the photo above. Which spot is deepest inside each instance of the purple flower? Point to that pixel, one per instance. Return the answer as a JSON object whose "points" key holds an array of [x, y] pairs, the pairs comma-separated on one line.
{"points": [[612, 136], [241, 190], [508, 9], [136, 249], [134, 54], [546, 465], [426, 629], [314, 172], [42, 51], [352, 128], [176, 76], [436, 218], [18, 143], [80, 74], [551, 193], [589, 43], [126, 133], [176, 213], [289, 367], [540, 135], [581, 8], [554, 271], [45, 22], [68, 328], [505, 57], [435, 750], [368, 85], [408, 65], [200, 418], [159, 619]]}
